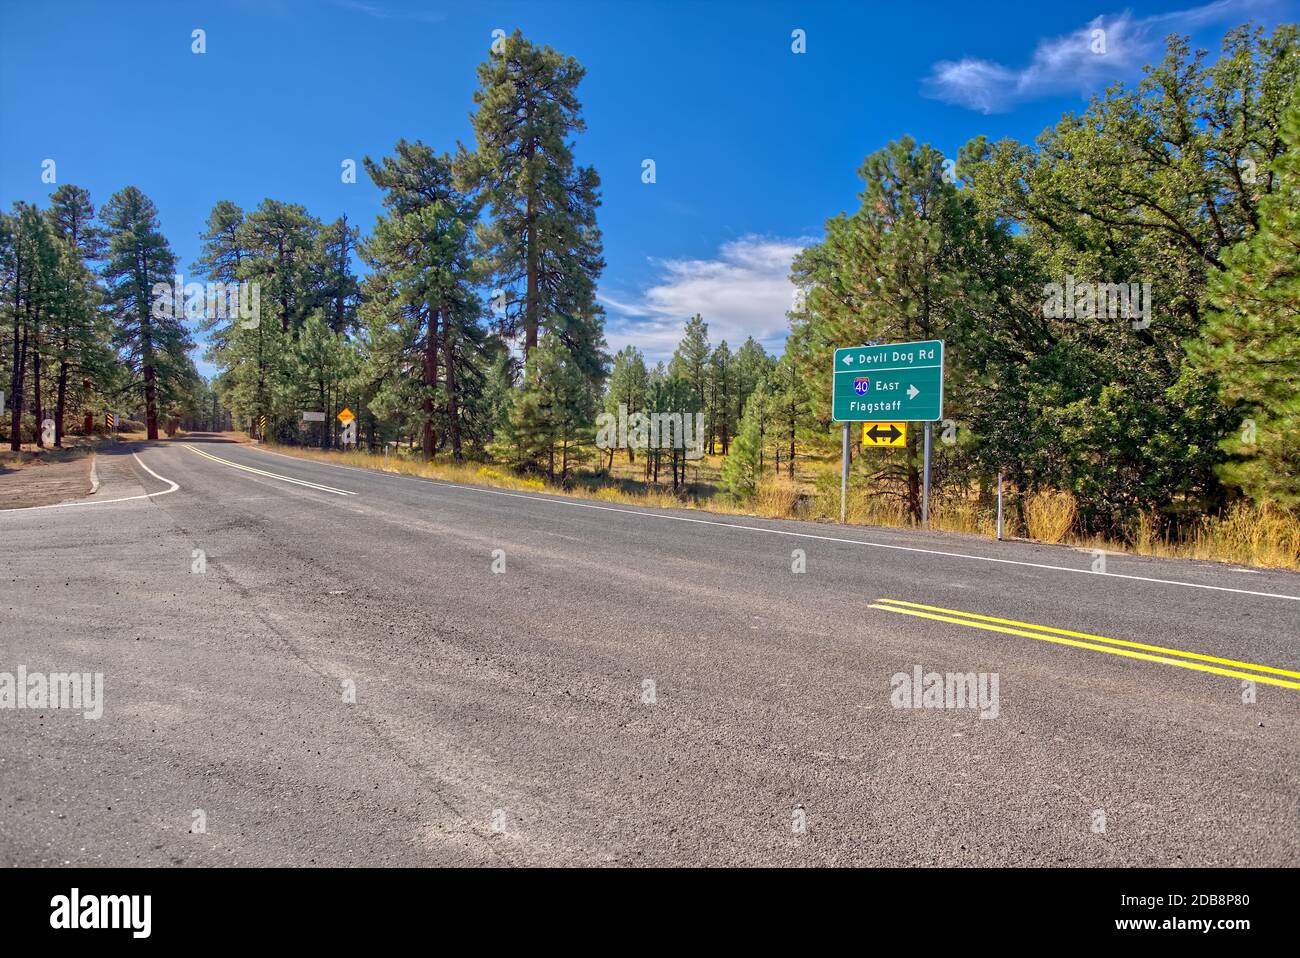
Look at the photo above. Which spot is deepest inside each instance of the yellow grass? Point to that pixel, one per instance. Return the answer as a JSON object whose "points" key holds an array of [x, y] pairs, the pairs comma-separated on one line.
{"points": [[1246, 534], [776, 499], [1050, 516]]}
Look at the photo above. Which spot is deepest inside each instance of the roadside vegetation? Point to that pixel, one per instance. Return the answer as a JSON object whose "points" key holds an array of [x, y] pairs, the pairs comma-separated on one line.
{"points": [[464, 332]]}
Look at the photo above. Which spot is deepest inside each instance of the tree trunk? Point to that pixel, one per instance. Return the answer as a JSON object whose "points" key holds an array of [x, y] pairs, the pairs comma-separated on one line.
{"points": [[453, 399], [16, 384], [37, 410], [343, 271], [151, 403], [429, 439], [61, 402], [531, 305], [913, 480]]}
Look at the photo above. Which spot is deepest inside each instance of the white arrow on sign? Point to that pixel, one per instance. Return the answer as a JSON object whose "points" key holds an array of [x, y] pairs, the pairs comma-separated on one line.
{"points": [[912, 391], [848, 360]]}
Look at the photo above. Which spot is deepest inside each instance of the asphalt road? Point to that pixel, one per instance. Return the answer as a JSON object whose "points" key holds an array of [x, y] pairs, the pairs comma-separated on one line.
{"points": [[637, 686]]}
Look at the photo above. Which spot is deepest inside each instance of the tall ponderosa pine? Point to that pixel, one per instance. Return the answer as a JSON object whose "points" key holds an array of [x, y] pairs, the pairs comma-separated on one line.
{"points": [[29, 269], [80, 335], [151, 339], [422, 311], [542, 245]]}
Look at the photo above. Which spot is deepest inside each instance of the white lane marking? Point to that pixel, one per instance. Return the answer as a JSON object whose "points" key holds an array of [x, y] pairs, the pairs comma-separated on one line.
{"points": [[104, 502], [801, 535], [269, 475]]}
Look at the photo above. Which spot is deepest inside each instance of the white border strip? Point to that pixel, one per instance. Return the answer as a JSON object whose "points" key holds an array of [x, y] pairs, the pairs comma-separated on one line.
{"points": [[104, 502]]}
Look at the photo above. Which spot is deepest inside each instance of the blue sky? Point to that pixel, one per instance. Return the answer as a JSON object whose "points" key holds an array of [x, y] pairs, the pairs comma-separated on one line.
{"points": [[754, 145]]}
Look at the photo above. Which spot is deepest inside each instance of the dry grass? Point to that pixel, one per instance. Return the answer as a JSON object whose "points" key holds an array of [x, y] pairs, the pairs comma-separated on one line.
{"points": [[1050, 516], [777, 499], [1245, 534]]}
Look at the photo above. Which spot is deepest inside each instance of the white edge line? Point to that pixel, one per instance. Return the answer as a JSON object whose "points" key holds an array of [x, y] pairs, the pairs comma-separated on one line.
{"points": [[785, 532], [104, 502], [251, 470]]}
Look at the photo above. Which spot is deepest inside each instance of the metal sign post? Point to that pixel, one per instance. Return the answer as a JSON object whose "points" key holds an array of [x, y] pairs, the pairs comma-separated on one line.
{"points": [[999, 506], [844, 477], [889, 384], [925, 494]]}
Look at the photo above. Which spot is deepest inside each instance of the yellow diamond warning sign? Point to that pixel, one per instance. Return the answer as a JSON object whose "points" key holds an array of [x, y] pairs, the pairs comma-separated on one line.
{"points": [[346, 416]]}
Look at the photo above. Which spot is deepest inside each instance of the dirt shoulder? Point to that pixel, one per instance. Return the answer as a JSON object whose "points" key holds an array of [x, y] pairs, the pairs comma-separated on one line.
{"points": [[43, 480]]}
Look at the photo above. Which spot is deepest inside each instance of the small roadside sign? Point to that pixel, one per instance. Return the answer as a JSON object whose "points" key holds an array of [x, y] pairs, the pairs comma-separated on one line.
{"points": [[309, 416], [346, 416], [109, 421], [891, 434]]}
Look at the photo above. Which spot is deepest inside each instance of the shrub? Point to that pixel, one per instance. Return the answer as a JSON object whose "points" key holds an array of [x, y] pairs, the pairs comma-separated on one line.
{"points": [[1050, 516]]}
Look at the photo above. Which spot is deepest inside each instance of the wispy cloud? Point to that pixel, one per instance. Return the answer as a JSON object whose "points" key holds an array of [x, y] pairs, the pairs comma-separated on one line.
{"points": [[1107, 49], [379, 12], [744, 291]]}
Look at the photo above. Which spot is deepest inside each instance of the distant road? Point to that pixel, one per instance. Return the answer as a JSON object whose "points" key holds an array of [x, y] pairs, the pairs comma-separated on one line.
{"points": [[638, 686]]}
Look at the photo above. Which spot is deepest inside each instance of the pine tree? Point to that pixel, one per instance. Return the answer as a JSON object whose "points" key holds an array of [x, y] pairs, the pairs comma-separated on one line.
{"points": [[750, 367], [423, 314], [690, 360], [893, 272], [150, 338], [628, 382], [542, 245], [1251, 338], [720, 421], [554, 407], [789, 406], [39, 292], [743, 469], [224, 257], [322, 362], [29, 267], [80, 338], [334, 287], [281, 238]]}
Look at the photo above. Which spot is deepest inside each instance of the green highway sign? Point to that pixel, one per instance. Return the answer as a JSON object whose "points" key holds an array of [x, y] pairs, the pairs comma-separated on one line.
{"points": [[895, 382]]}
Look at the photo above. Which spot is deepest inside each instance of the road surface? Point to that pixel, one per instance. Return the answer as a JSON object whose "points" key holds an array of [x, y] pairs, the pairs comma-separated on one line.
{"points": [[307, 664]]}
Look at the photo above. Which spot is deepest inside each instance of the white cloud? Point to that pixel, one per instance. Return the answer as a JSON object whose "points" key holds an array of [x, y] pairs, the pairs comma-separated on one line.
{"points": [[1107, 49], [744, 291], [384, 13]]}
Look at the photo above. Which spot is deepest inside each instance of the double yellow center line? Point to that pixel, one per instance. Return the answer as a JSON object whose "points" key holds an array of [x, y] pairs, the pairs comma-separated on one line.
{"points": [[1098, 643]]}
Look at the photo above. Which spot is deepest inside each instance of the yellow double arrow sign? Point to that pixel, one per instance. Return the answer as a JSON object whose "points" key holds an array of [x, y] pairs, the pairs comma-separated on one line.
{"points": [[1098, 643]]}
